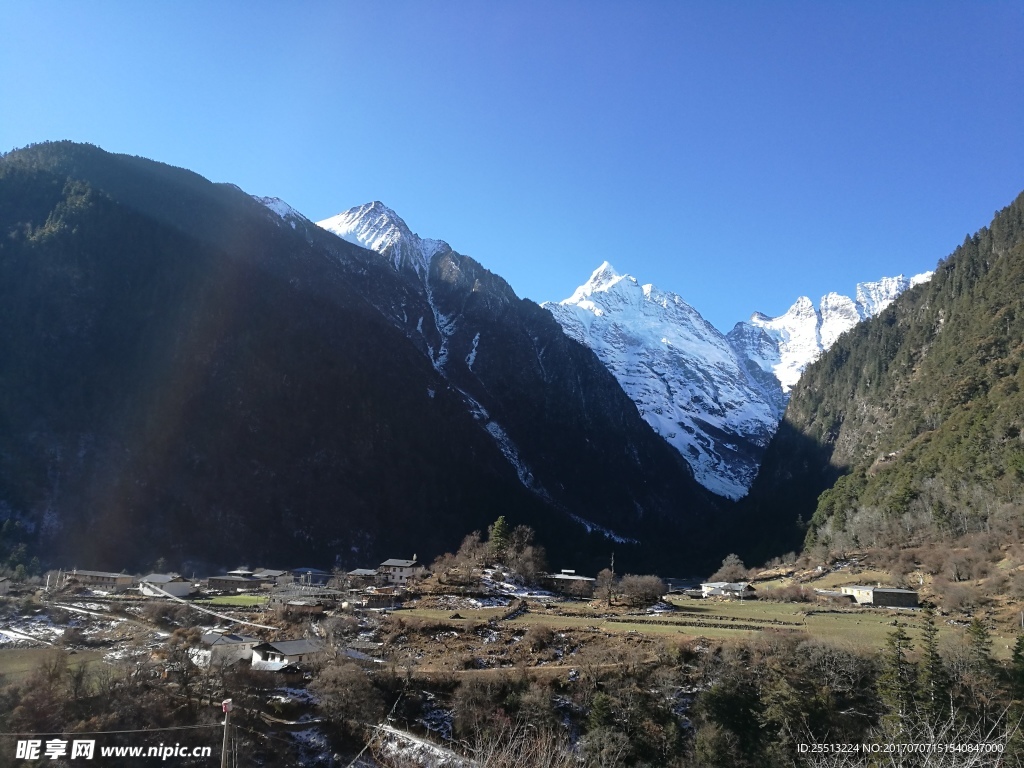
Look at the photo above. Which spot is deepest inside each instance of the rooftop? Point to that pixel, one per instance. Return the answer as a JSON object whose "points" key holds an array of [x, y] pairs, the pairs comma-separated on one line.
{"points": [[294, 647], [100, 574]]}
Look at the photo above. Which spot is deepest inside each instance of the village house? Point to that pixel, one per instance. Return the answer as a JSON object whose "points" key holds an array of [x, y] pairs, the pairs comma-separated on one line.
{"points": [[283, 653], [361, 577], [739, 590], [233, 583], [274, 578], [222, 648], [566, 581], [881, 596], [103, 580], [396, 571], [380, 599], [163, 584]]}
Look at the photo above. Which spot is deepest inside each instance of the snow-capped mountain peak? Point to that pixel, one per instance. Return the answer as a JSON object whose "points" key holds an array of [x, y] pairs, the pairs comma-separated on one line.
{"points": [[716, 399], [787, 344], [603, 278], [872, 298], [378, 228], [284, 211], [681, 372]]}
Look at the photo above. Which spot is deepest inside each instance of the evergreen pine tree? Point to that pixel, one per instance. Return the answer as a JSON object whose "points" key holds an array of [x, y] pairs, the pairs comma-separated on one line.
{"points": [[896, 683], [933, 684], [980, 675], [1017, 670], [497, 539], [1015, 713]]}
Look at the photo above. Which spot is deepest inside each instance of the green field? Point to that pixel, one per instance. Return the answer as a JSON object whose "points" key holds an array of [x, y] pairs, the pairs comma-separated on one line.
{"points": [[237, 601], [861, 628], [16, 664]]}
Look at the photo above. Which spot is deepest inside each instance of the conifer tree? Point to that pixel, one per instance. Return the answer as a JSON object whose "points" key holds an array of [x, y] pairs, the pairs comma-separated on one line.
{"points": [[933, 684], [1015, 745], [497, 538], [897, 681], [1017, 670], [980, 678]]}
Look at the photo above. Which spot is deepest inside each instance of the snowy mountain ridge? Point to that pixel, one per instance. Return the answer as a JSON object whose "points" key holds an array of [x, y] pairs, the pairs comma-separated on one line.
{"points": [[686, 380], [716, 399], [378, 228], [785, 345]]}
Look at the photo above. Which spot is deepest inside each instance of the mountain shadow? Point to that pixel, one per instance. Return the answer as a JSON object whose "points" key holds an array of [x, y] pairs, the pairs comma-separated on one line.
{"points": [[187, 375]]}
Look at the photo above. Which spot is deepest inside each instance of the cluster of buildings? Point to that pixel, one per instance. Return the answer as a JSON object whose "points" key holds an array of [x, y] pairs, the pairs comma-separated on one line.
{"points": [[888, 597], [298, 584]]}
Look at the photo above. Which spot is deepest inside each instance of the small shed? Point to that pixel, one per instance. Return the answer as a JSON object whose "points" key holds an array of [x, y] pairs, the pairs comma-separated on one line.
{"points": [[568, 581], [233, 583], [223, 648], [361, 577]]}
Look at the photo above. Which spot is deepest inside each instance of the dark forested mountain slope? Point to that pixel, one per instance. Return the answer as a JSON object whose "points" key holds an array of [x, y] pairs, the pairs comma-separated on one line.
{"points": [[187, 374], [554, 410], [910, 426]]}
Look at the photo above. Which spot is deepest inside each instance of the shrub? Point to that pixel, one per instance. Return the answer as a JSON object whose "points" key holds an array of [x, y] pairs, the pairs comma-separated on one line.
{"points": [[642, 590], [538, 637], [732, 569], [793, 593]]}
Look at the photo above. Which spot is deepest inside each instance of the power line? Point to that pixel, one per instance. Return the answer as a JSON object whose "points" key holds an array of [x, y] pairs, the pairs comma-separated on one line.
{"points": [[93, 733]]}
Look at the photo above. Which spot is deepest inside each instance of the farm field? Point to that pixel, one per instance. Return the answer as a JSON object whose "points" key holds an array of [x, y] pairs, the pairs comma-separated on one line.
{"points": [[240, 601], [862, 628], [16, 664]]}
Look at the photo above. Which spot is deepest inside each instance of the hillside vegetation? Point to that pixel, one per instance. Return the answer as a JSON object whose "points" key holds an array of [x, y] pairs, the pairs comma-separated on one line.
{"points": [[909, 428]]}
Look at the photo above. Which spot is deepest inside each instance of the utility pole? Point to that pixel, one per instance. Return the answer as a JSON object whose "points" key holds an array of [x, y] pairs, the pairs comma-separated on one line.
{"points": [[226, 706]]}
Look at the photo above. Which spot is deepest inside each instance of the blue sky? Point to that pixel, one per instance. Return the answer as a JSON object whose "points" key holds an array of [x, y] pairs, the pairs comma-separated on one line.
{"points": [[739, 154]]}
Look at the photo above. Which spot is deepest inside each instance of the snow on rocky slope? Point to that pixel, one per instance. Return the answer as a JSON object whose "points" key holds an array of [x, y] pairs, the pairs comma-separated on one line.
{"points": [[519, 376], [687, 381], [717, 399], [785, 345]]}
